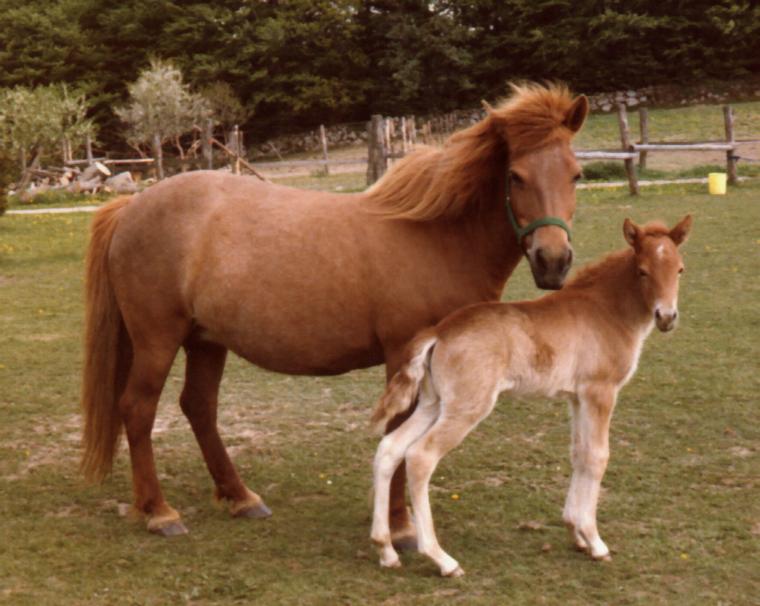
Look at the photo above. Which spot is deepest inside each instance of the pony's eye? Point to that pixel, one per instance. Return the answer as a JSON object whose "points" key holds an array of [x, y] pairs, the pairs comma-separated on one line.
{"points": [[578, 177], [680, 271], [516, 179], [643, 273]]}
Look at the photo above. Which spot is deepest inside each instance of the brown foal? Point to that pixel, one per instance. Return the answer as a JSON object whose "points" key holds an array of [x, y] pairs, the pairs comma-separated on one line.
{"points": [[307, 282], [582, 342]]}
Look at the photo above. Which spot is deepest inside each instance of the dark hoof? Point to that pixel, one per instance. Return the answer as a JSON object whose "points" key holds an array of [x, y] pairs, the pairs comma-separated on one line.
{"points": [[172, 529], [254, 511], [407, 542]]}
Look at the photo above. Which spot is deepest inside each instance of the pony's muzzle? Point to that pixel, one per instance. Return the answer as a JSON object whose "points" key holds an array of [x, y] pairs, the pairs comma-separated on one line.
{"points": [[665, 320], [550, 268]]}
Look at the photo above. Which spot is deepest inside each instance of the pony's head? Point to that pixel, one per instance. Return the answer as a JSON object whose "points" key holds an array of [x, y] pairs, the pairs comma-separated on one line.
{"points": [[659, 265], [537, 124]]}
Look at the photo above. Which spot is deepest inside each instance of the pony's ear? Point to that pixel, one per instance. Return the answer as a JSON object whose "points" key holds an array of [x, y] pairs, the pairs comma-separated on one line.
{"points": [[577, 113], [681, 231], [631, 232], [487, 106]]}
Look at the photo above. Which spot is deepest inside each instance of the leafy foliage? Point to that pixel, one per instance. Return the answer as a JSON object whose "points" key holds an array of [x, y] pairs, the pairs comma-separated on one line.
{"points": [[294, 64], [162, 105], [35, 120]]}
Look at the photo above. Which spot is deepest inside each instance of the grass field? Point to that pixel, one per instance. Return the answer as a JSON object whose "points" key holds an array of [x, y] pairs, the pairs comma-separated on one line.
{"points": [[681, 501]]}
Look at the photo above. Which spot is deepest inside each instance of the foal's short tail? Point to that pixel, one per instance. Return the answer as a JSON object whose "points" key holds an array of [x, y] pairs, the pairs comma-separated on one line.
{"points": [[403, 388], [106, 350]]}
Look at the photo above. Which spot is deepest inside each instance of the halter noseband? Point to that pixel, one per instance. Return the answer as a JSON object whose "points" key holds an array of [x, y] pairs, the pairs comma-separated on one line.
{"points": [[521, 232]]}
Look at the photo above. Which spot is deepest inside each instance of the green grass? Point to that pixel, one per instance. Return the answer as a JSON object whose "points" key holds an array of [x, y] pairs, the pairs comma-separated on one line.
{"points": [[681, 502]]}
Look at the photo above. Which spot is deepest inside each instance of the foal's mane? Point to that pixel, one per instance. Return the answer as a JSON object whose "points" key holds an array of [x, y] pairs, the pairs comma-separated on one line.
{"points": [[432, 183], [597, 272]]}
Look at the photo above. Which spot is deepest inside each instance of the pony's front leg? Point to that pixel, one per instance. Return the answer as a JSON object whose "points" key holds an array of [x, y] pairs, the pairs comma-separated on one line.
{"points": [[591, 412]]}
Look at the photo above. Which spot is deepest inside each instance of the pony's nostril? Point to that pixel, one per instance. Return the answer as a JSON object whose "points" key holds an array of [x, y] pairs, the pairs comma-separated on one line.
{"points": [[657, 314], [569, 257], [541, 263], [675, 315]]}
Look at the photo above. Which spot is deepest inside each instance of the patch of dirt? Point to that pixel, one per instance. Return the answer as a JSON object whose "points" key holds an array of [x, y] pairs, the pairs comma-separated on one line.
{"points": [[49, 444]]}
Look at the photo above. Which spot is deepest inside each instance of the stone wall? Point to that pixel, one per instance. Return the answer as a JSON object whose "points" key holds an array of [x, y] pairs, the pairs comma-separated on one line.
{"points": [[651, 96]]}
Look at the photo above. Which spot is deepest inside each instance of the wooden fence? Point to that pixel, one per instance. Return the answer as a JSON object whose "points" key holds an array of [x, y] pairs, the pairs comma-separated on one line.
{"points": [[382, 152]]}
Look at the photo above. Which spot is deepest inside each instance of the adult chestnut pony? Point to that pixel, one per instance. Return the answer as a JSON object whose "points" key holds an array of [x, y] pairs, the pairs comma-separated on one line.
{"points": [[311, 283]]}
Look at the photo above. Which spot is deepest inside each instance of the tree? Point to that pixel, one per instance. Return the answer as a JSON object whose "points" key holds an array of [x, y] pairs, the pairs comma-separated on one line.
{"points": [[35, 121], [161, 109]]}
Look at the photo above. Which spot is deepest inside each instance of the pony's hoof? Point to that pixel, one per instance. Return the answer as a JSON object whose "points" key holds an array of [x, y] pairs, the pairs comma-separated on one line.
{"points": [[257, 511], [172, 529], [457, 572], [602, 558]]}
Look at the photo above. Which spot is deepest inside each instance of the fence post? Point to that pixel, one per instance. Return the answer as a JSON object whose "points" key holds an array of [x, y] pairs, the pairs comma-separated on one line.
{"points": [[236, 148], [208, 150], [625, 139], [158, 154], [728, 119], [323, 139], [88, 147], [644, 132], [377, 162]]}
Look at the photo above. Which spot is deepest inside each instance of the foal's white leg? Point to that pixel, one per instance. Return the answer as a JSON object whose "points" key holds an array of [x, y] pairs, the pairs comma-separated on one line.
{"points": [[389, 455], [421, 460], [591, 414]]}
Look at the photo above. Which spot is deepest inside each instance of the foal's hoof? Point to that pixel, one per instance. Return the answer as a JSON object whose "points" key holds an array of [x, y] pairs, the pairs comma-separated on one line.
{"points": [[171, 529], [457, 572], [259, 510], [602, 558]]}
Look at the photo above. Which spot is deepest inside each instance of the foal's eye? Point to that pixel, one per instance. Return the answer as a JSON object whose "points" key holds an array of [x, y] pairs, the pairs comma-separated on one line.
{"points": [[577, 177], [643, 273], [680, 271], [516, 179]]}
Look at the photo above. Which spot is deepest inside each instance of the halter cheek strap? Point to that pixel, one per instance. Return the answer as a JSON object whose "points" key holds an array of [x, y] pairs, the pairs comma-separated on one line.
{"points": [[521, 232]]}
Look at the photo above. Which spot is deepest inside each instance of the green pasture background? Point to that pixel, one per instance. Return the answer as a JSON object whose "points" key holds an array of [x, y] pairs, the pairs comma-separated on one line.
{"points": [[681, 501]]}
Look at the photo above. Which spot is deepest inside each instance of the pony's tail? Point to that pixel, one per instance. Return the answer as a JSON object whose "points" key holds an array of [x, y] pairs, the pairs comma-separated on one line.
{"points": [[403, 388], [106, 350]]}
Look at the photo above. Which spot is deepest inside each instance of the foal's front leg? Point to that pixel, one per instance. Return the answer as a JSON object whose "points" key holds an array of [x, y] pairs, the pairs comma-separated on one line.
{"points": [[591, 413]]}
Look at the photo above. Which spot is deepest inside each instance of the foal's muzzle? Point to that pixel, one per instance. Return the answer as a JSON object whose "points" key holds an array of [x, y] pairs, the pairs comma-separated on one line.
{"points": [[550, 269], [666, 320]]}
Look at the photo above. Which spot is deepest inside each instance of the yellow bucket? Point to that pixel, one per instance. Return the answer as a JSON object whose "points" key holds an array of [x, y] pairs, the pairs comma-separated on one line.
{"points": [[716, 183]]}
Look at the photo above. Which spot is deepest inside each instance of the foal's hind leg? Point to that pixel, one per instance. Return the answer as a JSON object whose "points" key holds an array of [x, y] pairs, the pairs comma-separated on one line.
{"points": [[390, 453], [199, 401], [138, 403], [422, 458]]}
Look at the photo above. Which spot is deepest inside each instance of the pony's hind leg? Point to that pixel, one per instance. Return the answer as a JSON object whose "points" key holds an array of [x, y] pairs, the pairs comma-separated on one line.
{"points": [[389, 455], [137, 406], [199, 402]]}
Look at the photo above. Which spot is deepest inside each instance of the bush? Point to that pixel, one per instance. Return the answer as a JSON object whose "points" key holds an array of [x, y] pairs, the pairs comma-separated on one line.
{"points": [[604, 171]]}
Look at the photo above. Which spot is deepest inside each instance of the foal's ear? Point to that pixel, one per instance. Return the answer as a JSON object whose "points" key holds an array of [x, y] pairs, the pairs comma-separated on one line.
{"points": [[487, 106], [577, 113], [631, 232], [681, 231]]}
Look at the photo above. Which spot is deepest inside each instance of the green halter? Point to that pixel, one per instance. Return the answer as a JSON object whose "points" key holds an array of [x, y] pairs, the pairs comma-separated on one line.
{"points": [[521, 232]]}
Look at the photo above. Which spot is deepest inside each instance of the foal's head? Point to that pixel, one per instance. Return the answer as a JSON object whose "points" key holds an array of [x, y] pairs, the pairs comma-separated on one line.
{"points": [[659, 265], [538, 124]]}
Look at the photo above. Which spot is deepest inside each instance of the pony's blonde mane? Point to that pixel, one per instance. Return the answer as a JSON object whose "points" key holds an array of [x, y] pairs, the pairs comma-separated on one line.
{"points": [[432, 183]]}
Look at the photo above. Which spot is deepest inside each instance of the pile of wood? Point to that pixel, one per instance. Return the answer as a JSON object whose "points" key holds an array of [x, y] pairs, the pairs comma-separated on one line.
{"points": [[93, 178]]}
